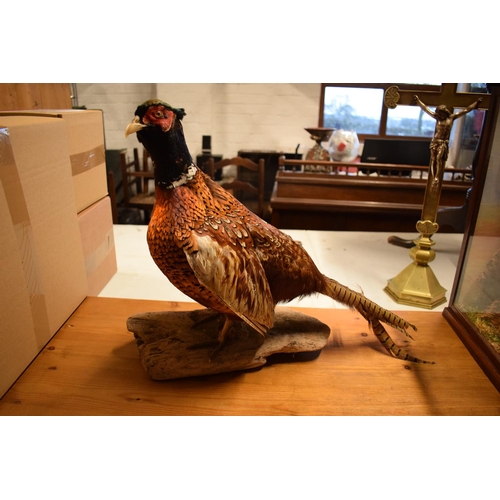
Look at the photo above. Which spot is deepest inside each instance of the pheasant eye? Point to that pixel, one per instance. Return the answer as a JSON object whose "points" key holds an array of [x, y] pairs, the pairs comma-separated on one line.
{"points": [[158, 114]]}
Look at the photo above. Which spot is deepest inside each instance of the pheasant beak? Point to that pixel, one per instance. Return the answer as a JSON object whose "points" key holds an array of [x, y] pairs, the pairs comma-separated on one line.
{"points": [[134, 126]]}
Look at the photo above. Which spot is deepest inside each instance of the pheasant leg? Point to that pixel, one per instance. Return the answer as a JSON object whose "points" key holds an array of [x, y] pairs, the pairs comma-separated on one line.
{"points": [[222, 336], [207, 319]]}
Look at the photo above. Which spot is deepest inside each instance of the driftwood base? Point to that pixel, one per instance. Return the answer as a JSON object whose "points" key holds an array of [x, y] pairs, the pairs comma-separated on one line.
{"points": [[180, 344]]}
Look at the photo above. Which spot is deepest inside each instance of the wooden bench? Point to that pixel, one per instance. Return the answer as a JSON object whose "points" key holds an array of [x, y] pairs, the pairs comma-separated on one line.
{"points": [[343, 196]]}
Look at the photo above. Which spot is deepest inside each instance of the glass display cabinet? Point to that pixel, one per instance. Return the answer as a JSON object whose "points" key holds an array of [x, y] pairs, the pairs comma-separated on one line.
{"points": [[474, 305]]}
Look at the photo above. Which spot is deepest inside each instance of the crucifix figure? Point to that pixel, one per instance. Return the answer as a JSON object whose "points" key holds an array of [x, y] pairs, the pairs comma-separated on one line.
{"points": [[445, 101], [439, 144]]}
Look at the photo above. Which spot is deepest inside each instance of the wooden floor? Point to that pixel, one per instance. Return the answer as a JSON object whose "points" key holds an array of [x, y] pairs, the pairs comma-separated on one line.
{"points": [[92, 367]]}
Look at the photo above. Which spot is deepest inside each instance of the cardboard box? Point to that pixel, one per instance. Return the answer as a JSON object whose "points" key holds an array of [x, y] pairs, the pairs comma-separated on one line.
{"points": [[17, 331], [85, 138], [41, 257], [98, 243]]}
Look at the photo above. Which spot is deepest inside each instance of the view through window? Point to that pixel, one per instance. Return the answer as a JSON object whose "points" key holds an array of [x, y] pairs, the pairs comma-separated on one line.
{"points": [[360, 107]]}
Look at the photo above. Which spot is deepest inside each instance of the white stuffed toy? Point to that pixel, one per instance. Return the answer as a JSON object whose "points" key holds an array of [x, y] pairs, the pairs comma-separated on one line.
{"points": [[343, 145]]}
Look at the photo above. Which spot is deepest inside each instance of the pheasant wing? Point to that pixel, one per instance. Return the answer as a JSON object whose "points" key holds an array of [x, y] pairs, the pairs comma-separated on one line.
{"points": [[234, 274]]}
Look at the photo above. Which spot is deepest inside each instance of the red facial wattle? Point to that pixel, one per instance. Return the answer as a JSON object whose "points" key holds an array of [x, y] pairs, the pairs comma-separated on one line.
{"points": [[158, 115]]}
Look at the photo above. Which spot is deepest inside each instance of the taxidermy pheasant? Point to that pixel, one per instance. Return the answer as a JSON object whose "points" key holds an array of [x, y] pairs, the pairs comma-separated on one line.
{"points": [[212, 248]]}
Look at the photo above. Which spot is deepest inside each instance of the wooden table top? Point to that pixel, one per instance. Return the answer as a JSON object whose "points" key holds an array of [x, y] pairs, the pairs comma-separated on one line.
{"points": [[92, 367]]}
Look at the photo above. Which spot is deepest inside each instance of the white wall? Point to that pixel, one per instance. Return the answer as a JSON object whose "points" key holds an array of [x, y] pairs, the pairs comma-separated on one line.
{"points": [[118, 102], [236, 115]]}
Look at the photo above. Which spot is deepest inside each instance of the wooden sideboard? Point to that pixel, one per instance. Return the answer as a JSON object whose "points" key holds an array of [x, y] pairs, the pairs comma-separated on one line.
{"points": [[337, 201]]}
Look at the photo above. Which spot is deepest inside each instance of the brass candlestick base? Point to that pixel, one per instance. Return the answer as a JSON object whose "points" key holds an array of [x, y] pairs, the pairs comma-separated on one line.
{"points": [[417, 285]]}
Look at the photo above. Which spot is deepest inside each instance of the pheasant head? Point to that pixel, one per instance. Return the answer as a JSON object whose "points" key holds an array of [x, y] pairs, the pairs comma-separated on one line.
{"points": [[159, 128]]}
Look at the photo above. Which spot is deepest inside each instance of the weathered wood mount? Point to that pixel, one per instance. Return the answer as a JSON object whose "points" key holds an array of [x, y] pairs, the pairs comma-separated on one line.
{"points": [[337, 201], [176, 344]]}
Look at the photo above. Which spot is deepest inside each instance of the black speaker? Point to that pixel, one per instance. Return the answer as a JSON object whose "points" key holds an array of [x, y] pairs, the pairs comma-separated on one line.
{"points": [[206, 144], [397, 151]]}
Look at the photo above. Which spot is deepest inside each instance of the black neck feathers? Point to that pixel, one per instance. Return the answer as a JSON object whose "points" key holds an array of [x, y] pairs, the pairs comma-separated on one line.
{"points": [[168, 150]]}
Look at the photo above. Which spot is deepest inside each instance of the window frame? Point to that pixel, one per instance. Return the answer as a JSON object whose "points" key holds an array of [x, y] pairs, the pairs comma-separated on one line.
{"points": [[383, 112]]}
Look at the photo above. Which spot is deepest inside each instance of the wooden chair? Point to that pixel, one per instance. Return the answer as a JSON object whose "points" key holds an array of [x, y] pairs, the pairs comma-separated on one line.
{"points": [[135, 183], [237, 185]]}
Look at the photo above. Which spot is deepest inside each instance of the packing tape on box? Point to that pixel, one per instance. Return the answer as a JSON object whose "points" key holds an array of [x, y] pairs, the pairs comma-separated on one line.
{"points": [[81, 162], [16, 201]]}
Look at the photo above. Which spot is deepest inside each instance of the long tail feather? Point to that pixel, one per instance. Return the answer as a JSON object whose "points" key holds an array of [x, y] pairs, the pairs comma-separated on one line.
{"points": [[374, 314]]}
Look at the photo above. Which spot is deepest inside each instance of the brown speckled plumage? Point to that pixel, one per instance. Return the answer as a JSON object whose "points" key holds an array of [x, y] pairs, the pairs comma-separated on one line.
{"points": [[212, 248]]}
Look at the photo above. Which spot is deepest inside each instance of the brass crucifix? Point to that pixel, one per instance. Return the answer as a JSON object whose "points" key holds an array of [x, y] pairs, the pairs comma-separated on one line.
{"points": [[417, 285]]}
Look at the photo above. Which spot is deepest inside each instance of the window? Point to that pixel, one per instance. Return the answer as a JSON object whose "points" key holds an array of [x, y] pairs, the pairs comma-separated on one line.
{"points": [[360, 107]]}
